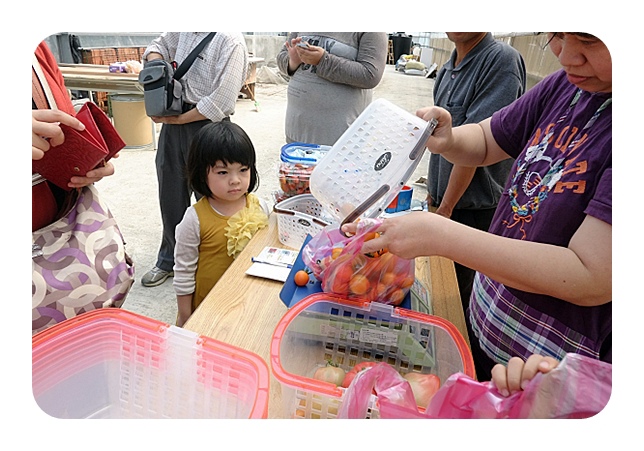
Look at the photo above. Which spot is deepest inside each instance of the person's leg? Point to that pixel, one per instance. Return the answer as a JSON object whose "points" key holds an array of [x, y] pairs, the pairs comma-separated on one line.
{"points": [[174, 193], [483, 364], [478, 219], [174, 196]]}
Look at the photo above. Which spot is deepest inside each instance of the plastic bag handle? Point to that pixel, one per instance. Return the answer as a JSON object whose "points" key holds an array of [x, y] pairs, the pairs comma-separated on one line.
{"points": [[355, 214]]}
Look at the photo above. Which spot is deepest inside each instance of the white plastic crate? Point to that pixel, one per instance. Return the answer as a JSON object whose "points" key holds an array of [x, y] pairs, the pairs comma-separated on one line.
{"points": [[325, 327], [112, 363], [298, 216], [371, 162]]}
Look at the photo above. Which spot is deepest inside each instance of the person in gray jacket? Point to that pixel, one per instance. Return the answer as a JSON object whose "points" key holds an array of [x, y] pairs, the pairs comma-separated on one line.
{"points": [[481, 76], [332, 75]]}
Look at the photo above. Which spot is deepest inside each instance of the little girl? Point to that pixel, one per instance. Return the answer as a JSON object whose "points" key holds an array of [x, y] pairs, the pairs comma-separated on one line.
{"points": [[221, 167]]}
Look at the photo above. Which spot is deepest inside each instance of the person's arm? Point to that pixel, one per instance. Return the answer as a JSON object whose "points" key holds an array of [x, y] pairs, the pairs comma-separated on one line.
{"points": [[154, 56], [580, 273], [466, 145], [186, 258], [459, 180], [184, 308], [288, 59], [365, 72], [164, 47], [515, 376], [226, 84]]}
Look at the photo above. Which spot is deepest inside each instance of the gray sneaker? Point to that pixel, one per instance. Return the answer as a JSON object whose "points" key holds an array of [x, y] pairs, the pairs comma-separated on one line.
{"points": [[155, 276]]}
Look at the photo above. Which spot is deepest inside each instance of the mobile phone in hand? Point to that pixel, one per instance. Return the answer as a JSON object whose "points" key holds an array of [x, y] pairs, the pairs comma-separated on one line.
{"points": [[303, 44]]}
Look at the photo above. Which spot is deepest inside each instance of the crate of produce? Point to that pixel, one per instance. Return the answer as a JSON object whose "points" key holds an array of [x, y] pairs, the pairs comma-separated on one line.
{"points": [[325, 328], [112, 363], [371, 162], [297, 161], [299, 216]]}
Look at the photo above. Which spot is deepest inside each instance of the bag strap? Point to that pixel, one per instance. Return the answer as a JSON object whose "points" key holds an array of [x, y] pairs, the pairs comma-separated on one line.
{"points": [[44, 98], [185, 65]]}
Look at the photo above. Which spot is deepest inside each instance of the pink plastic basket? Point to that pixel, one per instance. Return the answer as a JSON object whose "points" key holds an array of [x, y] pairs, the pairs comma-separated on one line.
{"points": [[324, 327], [112, 363]]}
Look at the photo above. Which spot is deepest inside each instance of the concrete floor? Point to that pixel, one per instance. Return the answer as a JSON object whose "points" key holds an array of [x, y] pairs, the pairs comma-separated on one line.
{"points": [[131, 192]]}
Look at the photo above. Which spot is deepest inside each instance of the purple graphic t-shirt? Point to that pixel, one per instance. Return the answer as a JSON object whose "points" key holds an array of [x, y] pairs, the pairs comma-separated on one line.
{"points": [[561, 138]]}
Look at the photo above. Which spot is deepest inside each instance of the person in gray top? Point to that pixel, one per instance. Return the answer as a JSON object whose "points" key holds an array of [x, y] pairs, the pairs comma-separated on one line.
{"points": [[332, 75], [482, 76]]}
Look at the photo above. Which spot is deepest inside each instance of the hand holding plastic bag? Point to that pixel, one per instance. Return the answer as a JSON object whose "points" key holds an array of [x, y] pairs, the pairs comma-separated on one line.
{"points": [[579, 387], [395, 396], [342, 268]]}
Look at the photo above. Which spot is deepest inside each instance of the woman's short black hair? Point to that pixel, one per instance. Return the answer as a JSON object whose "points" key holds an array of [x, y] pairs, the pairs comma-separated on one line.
{"points": [[219, 141]]}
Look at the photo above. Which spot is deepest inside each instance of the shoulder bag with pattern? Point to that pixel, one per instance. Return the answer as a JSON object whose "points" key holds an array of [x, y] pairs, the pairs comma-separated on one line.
{"points": [[79, 262]]}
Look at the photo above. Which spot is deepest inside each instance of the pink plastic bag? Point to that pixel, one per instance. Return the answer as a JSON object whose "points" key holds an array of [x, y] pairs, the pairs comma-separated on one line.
{"points": [[579, 387], [341, 267]]}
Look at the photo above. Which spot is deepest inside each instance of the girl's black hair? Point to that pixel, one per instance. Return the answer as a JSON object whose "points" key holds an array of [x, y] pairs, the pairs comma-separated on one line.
{"points": [[219, 141]]}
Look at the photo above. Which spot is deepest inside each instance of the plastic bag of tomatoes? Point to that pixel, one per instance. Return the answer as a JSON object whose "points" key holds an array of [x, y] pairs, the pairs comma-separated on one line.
{"points": [[342, 268]]}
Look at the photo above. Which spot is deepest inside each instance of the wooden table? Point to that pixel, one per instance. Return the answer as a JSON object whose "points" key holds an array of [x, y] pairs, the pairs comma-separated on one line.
{"points": [[243, 310]]}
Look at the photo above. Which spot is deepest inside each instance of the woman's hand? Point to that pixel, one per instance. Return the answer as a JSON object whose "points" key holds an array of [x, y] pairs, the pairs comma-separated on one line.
{"points": [[310, 54], [515, 377], [301, 52], [294, 60], [441, 139], [407, 236], [93, 176], [46, 131]]}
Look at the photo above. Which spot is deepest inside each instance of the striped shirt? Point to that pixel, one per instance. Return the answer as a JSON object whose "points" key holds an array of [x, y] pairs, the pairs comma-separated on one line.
{"points": [[218, 73]]}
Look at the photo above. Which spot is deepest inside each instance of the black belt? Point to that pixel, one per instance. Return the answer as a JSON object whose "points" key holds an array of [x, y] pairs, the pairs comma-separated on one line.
{"points": [[187, 107]]}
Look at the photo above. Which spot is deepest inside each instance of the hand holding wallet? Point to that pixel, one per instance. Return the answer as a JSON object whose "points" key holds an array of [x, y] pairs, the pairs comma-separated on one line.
{"points": [[81, 151]]}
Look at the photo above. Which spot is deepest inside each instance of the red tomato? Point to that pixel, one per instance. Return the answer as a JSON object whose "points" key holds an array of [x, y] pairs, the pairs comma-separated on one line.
{"points": [[355, 370], [424, 386], [330, 373]]}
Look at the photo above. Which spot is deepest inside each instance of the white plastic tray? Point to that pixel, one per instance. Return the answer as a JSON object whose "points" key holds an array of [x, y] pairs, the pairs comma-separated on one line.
{"points": [[370, 162]]}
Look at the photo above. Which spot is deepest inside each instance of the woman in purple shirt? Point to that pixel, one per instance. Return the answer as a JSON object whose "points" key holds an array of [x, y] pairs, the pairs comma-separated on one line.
{"points": [[544, 269]]}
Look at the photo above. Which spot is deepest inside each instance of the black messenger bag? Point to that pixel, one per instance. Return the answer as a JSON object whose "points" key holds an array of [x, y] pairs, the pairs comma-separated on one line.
{"points": [[162, 90]]}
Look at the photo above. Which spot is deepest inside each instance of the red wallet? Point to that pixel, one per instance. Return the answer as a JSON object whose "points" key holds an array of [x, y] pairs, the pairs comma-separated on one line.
{"points": [[81, 151]]}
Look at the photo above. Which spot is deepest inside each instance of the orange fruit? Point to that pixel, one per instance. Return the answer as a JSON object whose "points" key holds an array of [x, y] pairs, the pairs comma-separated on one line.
{"points": [[406, 282], [371, 235], [397, 297], [387, 260], [335, 253], [359, 284], [301, 278], [381, 290], [337, 281], [388, 279], [358, 262]]}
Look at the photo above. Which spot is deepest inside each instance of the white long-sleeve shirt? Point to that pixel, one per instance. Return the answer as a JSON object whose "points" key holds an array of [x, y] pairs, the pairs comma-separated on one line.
{"points": [[186, 252]]}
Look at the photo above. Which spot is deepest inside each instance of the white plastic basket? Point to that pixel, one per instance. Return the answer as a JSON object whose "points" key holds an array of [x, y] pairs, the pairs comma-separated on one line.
{"points": [[298, 216], [371, 162]]}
